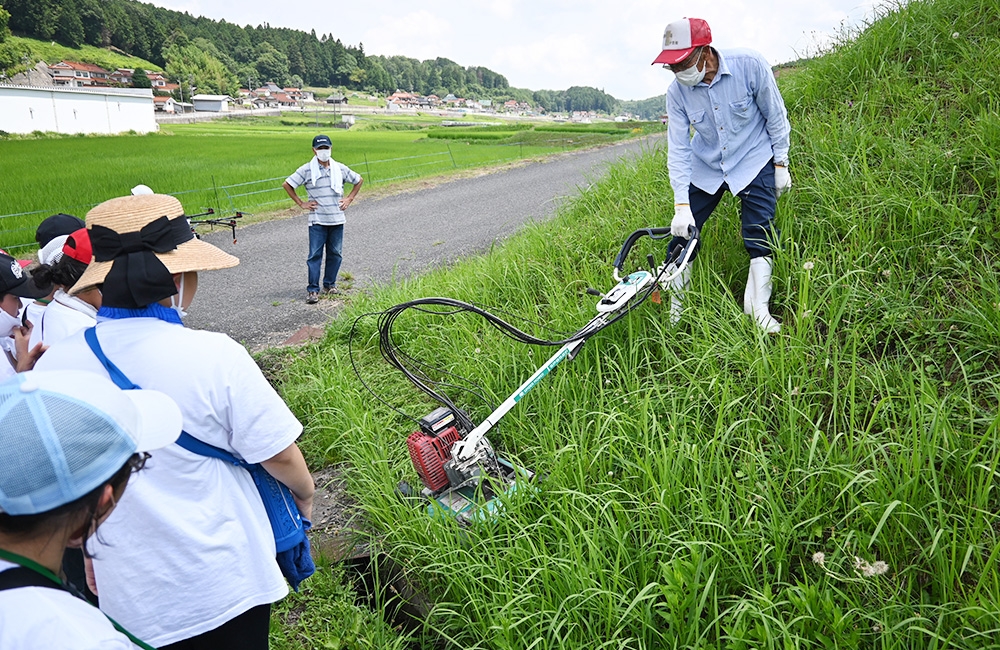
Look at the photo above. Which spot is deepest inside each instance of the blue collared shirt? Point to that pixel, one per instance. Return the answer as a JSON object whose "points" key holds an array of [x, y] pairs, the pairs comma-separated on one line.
{"points": [[739, 121]]}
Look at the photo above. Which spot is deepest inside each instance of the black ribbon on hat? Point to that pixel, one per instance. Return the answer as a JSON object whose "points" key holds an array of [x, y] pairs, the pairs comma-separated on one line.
{"points": [[137, 277]]}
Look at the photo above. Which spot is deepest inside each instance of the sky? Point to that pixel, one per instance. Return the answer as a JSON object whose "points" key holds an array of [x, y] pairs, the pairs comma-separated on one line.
{"points": [[552, 44]]}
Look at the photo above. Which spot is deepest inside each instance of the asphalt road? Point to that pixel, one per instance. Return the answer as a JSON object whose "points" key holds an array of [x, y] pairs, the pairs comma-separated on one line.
{"points": [[261, 302]]}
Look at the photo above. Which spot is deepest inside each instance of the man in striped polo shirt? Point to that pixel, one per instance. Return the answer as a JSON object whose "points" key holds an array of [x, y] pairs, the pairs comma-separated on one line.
{"points": [[324, 180]]}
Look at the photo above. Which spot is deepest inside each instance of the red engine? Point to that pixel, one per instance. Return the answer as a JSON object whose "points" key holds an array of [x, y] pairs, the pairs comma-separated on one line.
{"points": [[429, 451]]}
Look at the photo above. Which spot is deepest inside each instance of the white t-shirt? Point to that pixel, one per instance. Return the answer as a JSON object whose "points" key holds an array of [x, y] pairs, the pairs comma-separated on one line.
{"points": [[6, 369], [33, 312], [189, 546], [36, 618], [63, 316]]}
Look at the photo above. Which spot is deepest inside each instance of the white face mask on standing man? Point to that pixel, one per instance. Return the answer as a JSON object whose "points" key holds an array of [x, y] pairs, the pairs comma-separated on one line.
{"points": [[692, 76], [323, 155]]}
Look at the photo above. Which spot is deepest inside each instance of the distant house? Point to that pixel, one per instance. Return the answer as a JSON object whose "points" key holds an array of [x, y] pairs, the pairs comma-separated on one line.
{"points": [[122, 76], [285, 100], [213, 103], [404, 100], [298, 94], [157, 79], [76, 74], [165, 104], [336, 98]]}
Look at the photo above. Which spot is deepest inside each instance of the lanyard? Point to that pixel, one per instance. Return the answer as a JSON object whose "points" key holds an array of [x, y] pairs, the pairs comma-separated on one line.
{"points": [[28, 563]]}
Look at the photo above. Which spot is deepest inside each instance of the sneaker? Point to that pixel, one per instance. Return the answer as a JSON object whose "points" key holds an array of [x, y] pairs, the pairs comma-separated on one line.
{"points": [[312, 297], [332, 291]]}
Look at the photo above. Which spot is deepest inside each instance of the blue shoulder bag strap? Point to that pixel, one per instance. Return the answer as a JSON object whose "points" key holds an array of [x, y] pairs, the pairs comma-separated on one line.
{"points": [[286, 522], [186, 440]]}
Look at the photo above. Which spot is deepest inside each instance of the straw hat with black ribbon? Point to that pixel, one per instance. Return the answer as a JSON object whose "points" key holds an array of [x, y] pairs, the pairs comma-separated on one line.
{"points": [[139, 242]]}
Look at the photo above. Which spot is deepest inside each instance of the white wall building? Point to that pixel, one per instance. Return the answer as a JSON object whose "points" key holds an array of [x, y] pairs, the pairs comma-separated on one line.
{"points": [[216, 103], [24, 109]]}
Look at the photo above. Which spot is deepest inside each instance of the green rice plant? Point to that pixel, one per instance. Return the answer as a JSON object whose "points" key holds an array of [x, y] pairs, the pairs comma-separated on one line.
{"points": [[227, 165], [449, 134]]}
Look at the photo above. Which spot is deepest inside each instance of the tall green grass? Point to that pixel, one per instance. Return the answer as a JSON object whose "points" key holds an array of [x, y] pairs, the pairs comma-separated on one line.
{"points": [[709, 486]]}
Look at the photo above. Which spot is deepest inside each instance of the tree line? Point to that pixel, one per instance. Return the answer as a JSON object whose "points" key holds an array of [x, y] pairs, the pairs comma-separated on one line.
{"points": [[221, 57]]}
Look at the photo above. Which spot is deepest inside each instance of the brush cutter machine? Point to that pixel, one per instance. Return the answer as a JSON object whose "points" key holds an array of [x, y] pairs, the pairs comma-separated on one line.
{"points": [[463, 476]]}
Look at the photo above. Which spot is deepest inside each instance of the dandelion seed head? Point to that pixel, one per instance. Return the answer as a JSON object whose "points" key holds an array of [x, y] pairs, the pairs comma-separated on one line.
{"points": [[886, 273], [954, 34], [819, 557], [809, 266], [478, 350]]}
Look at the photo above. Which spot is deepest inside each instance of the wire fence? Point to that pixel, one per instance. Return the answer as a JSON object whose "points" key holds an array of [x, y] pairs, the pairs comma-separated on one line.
{"points": [[265, 194]]}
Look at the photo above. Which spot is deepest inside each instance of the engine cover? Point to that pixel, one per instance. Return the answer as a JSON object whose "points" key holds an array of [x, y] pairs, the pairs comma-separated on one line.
{"points": [[429, 452]]}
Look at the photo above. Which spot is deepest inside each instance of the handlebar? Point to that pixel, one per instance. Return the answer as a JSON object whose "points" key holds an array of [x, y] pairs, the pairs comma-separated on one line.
{"points": [[652, 233]]}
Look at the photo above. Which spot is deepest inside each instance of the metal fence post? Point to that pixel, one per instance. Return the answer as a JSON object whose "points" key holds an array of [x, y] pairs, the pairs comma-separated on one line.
{"points": [[452, 156]]}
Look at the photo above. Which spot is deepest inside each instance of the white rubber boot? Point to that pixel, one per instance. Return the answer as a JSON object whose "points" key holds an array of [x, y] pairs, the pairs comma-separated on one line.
{"points": [[677, 288], [758, 295]]}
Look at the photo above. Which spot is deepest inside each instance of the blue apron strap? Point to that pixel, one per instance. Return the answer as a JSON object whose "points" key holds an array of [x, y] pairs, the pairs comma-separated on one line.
{"points": [[195, 446], [117, 375], [186, 440]]}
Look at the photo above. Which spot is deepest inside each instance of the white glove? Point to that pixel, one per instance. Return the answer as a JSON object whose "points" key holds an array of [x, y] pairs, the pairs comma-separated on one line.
{"points": [[782, 179], [683, 221]]}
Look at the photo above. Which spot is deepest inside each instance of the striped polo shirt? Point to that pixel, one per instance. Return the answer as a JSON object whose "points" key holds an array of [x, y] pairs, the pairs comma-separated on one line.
{"points": [[328, 212]]}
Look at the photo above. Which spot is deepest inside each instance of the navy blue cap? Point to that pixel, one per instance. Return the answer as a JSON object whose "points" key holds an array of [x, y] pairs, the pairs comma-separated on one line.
{"points": [[322, 141], [56, 225]]}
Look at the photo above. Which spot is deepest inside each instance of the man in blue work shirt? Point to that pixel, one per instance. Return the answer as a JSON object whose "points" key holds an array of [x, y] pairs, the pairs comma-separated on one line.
{"points": [[324, 179], [730, 100]]}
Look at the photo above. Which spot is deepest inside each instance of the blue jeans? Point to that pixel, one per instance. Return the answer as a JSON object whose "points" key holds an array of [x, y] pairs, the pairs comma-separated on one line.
{"points": [[758, 202], [330, 238]]}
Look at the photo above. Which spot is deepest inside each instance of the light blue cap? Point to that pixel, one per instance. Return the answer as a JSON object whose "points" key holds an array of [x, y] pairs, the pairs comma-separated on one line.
{"points": [[65, 432]]}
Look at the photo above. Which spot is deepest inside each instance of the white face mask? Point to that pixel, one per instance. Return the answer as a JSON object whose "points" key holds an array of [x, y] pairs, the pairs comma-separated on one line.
{"points": [[691, 76], [8, 323], [177, 300], [323, 155]]}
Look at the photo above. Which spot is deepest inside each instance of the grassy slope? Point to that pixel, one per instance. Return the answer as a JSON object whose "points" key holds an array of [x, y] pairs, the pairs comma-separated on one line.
{"points": [[52, 52], [709, 486]]}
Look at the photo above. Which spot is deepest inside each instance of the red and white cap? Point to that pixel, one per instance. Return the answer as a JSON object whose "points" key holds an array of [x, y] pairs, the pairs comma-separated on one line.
{"points": [[681, 37], [78, 247]]}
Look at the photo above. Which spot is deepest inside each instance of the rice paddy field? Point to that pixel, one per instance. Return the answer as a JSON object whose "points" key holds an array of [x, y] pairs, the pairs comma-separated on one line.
{"points": [[240, 164], [706, 485]]}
